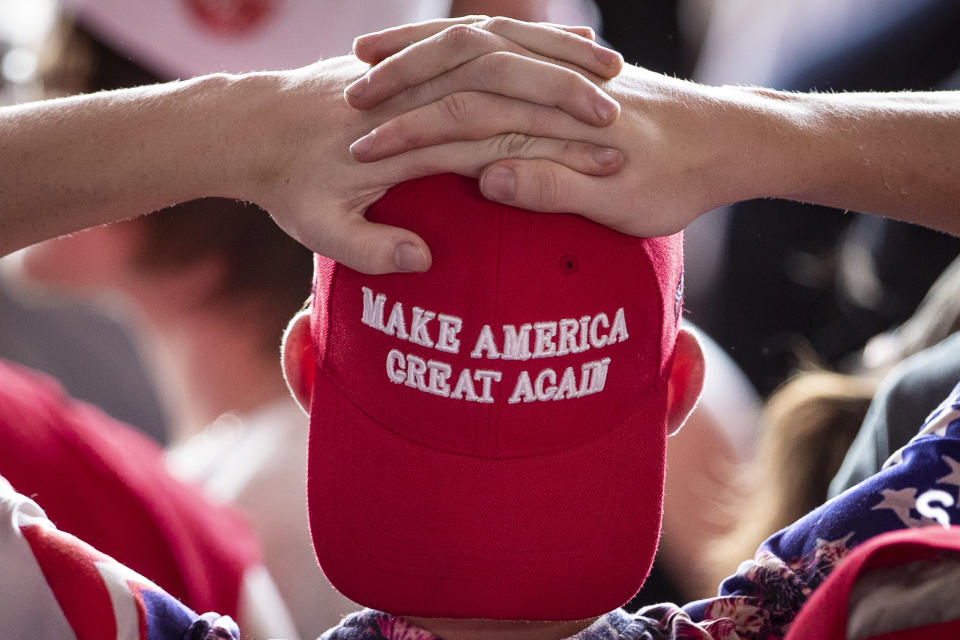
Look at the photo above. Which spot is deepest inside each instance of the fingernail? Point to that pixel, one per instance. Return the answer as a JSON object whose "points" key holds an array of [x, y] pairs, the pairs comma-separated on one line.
{"points": [[357, 89], [367, 39], [364, 144], [410, 257], [606, 157], [604, 55], [606, 107], [500, 183]]}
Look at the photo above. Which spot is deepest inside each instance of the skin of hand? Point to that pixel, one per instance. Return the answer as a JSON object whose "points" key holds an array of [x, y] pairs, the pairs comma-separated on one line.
{"points": [[343, 231], [687, 148], [279, 139], [673, 150]]}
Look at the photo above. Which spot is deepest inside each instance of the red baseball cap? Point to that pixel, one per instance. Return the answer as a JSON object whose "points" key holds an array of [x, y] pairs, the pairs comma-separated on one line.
{"points": [[487, 439], [826, 614]]}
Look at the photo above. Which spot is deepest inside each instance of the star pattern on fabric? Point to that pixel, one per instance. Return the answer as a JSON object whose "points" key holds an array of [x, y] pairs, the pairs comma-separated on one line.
{"points": [[944, 424], [824, 556], [830, 548], [952, 478], [902, 502]]}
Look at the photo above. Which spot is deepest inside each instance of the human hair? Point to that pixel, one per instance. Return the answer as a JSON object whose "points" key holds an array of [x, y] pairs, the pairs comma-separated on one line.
{"points": [[807, 426], [810, 422], [262, 264]]}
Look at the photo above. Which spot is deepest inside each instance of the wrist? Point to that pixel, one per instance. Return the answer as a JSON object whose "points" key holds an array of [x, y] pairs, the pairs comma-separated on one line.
{"points": [[272, 124], [718, 142], [232, 147], [186, 135], [777, 143]]}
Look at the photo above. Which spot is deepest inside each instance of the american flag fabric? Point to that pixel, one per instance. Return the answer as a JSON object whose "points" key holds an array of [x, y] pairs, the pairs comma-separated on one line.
{"points": [[919, 486], [57, 586], [107, 484]]}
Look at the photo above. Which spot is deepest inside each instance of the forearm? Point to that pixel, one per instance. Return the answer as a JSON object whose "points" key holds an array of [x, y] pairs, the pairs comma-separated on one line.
{"points": [[77, 162], [689, 148], [281, 139], [893, 154]]}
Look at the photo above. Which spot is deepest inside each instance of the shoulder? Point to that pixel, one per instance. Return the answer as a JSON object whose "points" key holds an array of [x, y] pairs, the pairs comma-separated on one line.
{"points": [[57, 586]]}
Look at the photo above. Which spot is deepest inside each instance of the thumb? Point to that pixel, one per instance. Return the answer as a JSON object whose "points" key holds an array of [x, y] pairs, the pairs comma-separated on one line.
{"points": [[374, 248], [539, 185]]}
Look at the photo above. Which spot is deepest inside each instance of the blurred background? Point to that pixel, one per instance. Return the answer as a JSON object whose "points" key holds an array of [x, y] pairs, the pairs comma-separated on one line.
{"points": [[807, 308]]}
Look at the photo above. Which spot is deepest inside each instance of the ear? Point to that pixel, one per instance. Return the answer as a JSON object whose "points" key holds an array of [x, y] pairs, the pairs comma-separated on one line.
{"points": [[298, 359], [686, 380]]}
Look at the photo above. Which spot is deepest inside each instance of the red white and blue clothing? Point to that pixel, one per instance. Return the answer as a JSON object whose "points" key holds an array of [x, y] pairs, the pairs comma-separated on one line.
{"points": [[101, 482], [107, 484], [57, 586]]}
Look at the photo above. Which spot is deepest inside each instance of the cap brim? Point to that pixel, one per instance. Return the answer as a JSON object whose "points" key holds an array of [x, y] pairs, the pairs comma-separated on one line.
{"points": [[412, 530]]}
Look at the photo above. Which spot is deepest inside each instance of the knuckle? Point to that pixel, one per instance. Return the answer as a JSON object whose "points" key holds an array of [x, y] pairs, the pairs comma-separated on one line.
{"points": [[482, 66], [456, 107], [539, 121], [514, 144], [572, 83], [497, 24], [492, 65], [363, 255], [459, 34], [571, 149], [547, 188]]}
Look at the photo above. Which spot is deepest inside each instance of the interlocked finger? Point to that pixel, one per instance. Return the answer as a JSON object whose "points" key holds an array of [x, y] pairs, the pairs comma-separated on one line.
{"points": [[560, 43], [510, 76], [375, 47], [544, 185], [466, 116], [462, 43], [471, 158]]}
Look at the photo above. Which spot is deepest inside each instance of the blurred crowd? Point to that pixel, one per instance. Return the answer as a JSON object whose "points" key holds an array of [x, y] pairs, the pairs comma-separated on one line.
{"points": [[829, 336]]}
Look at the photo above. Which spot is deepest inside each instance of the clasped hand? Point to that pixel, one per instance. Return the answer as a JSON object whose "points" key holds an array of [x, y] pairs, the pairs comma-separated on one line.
{"points": [[648, 171]]}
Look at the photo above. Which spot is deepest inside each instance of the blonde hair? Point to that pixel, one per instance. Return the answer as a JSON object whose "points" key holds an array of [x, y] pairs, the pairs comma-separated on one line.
{"points": [[807, 426]]}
